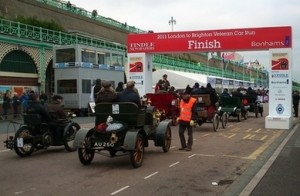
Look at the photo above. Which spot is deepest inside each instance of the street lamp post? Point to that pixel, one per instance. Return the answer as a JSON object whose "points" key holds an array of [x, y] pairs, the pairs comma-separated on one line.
{"points": [[172, 22]]}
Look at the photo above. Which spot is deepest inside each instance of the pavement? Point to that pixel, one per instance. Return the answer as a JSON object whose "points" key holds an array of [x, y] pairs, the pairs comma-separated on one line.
{"points": [[275, 172]]}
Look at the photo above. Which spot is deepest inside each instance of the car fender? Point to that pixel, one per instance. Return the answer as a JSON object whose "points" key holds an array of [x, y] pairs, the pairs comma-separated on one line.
{"points": [[130, 138], [160, 132], [80, 136], [70, 124]]}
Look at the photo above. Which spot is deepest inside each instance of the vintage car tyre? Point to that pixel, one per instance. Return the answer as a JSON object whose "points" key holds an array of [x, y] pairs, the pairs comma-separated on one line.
{"points": [[137, 155], [167, 139], [224, 118], [215, 122], [69, 136], [86, 154], [28, 147]]}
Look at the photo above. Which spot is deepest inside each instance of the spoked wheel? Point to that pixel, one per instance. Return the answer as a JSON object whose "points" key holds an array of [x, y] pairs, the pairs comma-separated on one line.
{"points": [[86, 154], [23, 145], [69, 137], [137, 155], [224, 119], [216, 122], [167, 141]]}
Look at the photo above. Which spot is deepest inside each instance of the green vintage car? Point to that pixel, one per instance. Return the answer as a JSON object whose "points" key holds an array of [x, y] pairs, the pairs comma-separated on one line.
{"points": [[122, 128]]}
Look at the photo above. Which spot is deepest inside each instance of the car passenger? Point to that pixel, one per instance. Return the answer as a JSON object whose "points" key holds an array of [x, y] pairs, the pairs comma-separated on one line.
{"points": [[35, 107], [106, 93], [130, 94], [56, 109]]}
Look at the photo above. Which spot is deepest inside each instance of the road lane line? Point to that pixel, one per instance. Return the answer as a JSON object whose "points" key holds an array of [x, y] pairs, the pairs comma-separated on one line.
{"points": [[252, 136], [206, 135], [191, 155], [232, 135], [174, 164], [246, 136], [121, 189], [248, 130], [258, 130], [5, 150], [262, 148], [151, 175], [264, 137]]}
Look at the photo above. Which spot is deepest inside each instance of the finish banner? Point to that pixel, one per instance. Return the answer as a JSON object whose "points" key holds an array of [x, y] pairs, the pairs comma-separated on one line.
{"points": [[211, 40]]}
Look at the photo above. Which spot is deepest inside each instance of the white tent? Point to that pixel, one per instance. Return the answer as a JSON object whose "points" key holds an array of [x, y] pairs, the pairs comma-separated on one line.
{"points": [[179, 79]]}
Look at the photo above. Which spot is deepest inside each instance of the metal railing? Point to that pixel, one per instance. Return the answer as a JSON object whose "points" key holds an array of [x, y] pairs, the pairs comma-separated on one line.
{"points": [[82, 12], [40, 34]]}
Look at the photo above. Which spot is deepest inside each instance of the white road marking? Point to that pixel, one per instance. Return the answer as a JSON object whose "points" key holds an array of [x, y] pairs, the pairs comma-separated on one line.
{"points": [[151, 175], [5, 150], [121, 189], [174, 164], [191, 155]]}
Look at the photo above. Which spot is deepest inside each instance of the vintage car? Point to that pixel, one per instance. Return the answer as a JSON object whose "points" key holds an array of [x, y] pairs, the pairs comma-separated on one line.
{"points": [[252, 104], [232, 106], [165, 105], [36, 135], [120, 129], [207, 112]]}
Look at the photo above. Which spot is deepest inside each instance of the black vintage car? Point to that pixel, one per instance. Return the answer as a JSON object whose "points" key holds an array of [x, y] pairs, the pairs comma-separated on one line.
{"points": [[35, 135], [120, 129]]}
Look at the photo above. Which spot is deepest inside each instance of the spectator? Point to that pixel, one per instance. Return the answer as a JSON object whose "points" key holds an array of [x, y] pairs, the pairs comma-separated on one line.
{"points": [[15, 104], [296, 99], [43, 98], [130, 95], [95, 89], [107, 93], [6, 103]]}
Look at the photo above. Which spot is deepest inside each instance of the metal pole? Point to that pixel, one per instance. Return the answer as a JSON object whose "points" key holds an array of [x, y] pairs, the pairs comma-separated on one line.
{"points": [[172, 22]]}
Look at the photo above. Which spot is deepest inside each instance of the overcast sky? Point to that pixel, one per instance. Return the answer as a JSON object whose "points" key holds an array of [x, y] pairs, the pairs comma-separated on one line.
{"points": [[198, 15]]}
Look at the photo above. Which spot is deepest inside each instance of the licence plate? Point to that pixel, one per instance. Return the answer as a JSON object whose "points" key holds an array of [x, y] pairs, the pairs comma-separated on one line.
{"points": [[20, 142], [105, 144]]}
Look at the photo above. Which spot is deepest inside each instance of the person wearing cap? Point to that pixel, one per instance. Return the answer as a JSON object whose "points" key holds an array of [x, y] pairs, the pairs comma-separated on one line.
{"points": [[56, 108], [106, 93], [186, 119], [164, 84], [130, 94]]}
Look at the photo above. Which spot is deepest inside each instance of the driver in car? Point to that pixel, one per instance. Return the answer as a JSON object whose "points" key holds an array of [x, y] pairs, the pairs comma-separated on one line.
{"points": [[35, 107]]}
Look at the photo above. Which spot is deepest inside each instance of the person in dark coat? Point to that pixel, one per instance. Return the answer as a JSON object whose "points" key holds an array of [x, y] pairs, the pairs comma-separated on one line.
{"points": [[35, 107], [213, 94], [120, 87], [107, 93], [15, 104], [56, 109], [130, 95], [296, 99], [164, 84], [97, 88]]}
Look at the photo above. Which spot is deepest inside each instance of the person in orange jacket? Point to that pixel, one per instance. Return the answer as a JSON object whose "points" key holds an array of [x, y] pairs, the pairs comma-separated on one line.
{"points": [[186, 119]]}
